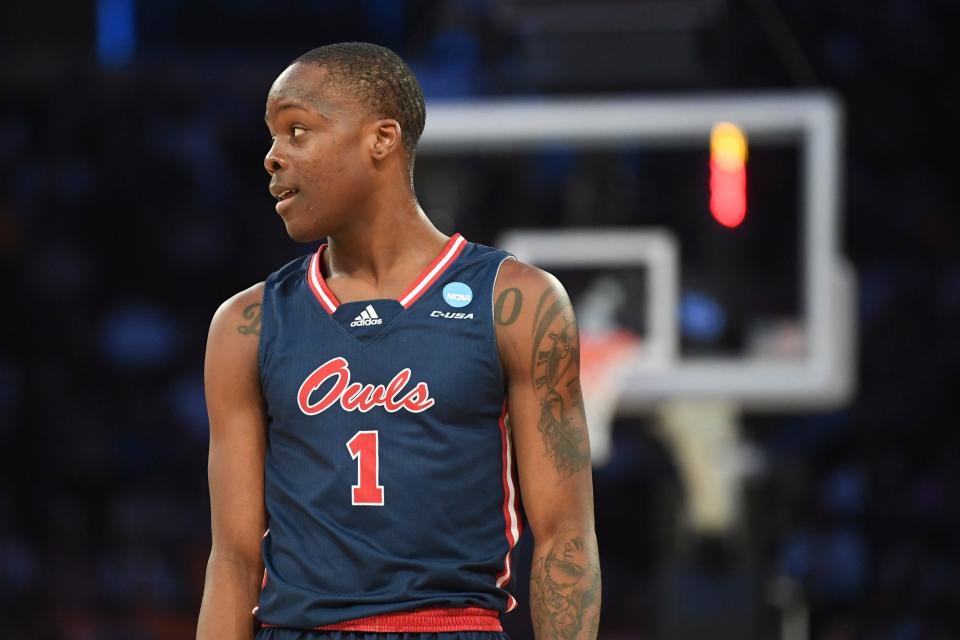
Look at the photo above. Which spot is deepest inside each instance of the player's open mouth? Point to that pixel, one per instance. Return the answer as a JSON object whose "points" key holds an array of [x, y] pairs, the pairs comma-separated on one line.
{"points": [[284, 198]]}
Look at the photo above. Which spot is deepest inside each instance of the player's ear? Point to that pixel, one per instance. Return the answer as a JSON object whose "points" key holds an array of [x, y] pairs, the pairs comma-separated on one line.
{"points": [[387, 137]]}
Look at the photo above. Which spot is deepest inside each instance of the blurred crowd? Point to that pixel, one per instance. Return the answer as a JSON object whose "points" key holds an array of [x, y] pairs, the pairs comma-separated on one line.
{"points": [[132, 202]]}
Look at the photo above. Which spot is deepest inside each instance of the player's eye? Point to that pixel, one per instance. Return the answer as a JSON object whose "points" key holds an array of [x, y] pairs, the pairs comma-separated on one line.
{"points": [[296, 130]]}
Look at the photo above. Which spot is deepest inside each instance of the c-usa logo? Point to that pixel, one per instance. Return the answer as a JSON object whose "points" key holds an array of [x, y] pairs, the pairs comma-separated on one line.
{"points": [[451, 315]]}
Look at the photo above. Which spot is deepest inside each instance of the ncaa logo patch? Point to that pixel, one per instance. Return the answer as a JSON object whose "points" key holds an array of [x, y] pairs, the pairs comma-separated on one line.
{"points": [[457, 294]]}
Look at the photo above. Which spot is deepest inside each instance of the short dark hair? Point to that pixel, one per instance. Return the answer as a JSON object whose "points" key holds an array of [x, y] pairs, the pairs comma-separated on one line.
{"points": [[379, 78]]}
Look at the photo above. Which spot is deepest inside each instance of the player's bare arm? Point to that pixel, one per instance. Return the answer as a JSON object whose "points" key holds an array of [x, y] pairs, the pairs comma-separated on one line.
{"points": [[235, 469], [539, 347]]}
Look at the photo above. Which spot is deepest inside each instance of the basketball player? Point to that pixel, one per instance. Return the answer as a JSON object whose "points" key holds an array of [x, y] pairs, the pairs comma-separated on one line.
{"points": [[378, 407]]}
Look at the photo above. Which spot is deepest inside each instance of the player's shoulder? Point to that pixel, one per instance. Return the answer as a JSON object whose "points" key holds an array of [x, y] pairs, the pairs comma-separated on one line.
{"points": [[242, 306], [523, 294], [234, 336], [526, 278], [244, 303]]}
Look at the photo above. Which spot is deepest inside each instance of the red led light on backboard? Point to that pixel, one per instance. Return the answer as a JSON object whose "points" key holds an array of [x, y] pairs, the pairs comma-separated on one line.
{"points": [[728, 174]]}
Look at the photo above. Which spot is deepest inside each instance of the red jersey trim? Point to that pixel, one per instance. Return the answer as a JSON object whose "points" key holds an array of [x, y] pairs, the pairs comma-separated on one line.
{"points": [[434, 270], [427, 277], [510, 501], [431, 620], [319, 286]]}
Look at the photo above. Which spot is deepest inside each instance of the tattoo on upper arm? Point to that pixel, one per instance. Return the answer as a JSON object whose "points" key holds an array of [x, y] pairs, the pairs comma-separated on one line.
{"points": [[565, 590], [507, 309], [555, 371], [252, 314]]}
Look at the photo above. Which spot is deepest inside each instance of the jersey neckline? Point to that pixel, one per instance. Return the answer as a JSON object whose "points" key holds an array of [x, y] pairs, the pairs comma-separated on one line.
{"points": [[420, 285]]}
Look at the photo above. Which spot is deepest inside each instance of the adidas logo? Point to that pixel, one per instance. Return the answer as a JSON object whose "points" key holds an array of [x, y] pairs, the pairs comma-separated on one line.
{"points": [[367, 318]]}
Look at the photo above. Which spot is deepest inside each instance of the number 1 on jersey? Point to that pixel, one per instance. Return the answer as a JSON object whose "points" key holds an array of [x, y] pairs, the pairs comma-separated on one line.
{"points": [[364, 447]]}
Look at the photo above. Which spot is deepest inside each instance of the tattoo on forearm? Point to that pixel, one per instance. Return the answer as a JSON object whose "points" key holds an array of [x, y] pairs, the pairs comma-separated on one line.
{"points": [[565, 591], [252, 314], [555, 371], [507, 309]]}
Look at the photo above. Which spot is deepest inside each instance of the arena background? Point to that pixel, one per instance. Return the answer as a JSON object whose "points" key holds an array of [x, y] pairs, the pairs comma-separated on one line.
{"points": [[133, 201]]}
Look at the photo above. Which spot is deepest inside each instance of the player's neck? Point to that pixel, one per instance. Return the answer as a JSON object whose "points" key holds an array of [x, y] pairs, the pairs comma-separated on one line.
{"points": [[388, 239]]}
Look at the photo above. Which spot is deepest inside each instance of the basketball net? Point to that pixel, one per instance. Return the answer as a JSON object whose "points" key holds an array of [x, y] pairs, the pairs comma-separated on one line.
{"points": [[604, 359]]}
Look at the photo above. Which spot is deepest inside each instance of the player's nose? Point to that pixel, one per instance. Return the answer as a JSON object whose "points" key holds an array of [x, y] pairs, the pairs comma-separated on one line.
{"points": [[274, 161]]}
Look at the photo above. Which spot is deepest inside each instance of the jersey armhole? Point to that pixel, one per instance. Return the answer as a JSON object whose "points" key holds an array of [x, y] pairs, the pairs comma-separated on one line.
{"points": [[493, 319], [265, 313]]}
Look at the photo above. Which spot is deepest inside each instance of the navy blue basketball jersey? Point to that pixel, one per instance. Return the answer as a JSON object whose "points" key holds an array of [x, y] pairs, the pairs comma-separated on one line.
{"points": [[390, 483]]}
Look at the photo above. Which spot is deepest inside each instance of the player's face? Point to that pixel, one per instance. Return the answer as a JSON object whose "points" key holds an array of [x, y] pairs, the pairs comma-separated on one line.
{"points": [[317, 162]]}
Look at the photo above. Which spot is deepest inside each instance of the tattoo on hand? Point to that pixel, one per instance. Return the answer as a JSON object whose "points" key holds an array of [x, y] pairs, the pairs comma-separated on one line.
{"points": [[555, 371], [251, 313], [507, 309], [565, 591]]}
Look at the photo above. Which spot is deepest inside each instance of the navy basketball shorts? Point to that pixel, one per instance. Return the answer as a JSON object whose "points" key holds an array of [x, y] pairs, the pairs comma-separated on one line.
{"points": [[279, 633]]}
